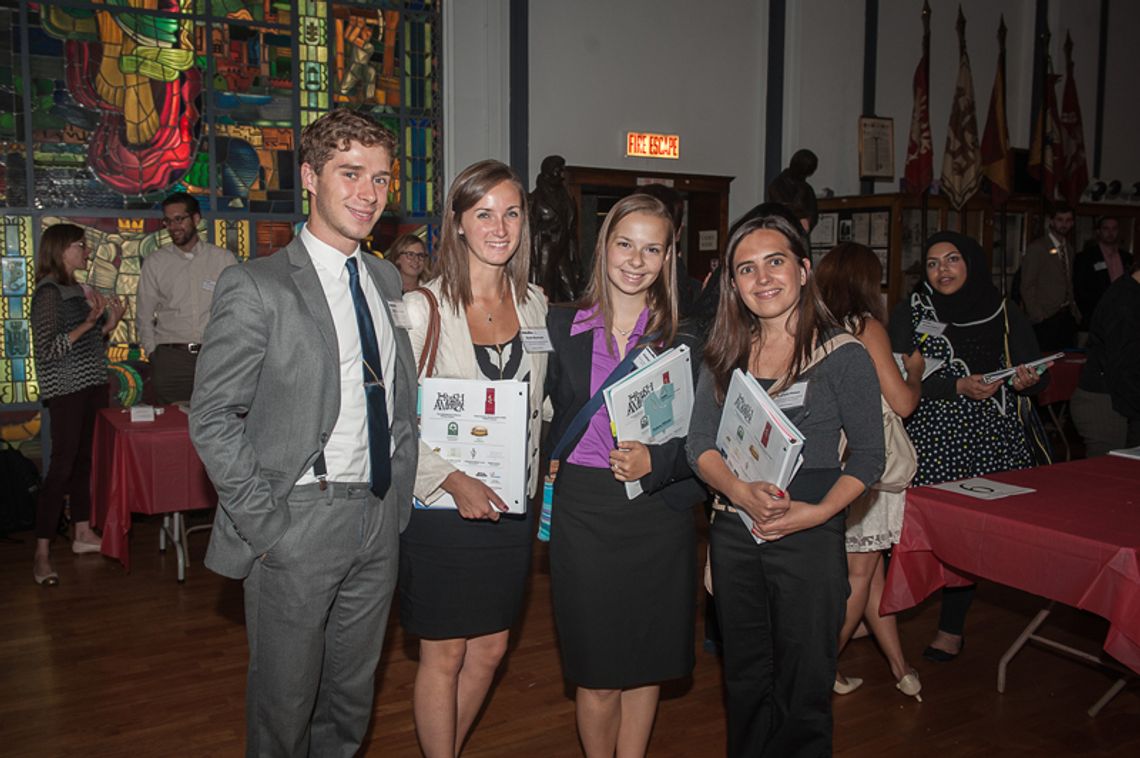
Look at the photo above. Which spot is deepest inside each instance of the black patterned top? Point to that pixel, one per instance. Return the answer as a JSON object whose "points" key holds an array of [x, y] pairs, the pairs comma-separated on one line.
{"points": [[62, 367], [499, 362]]}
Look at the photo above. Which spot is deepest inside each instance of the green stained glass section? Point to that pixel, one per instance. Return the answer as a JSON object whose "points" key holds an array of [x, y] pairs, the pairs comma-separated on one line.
{"points": [[17, 283]]}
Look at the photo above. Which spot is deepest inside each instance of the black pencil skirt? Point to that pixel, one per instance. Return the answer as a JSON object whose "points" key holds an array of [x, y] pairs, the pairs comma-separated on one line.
{"points": [[623, 582]]}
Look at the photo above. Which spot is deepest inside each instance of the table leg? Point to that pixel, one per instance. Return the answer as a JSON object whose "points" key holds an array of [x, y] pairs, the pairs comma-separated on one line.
{"points": [[1059, 423], [1112, 692], [172, 528], [1019, 643], [1029, 633]]}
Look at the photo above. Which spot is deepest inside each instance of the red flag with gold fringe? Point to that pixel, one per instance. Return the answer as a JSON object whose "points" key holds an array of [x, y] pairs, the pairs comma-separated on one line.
{"points": [[997, 161], [962, 160], [919, 171], [1075, 176], [1046, 155]]}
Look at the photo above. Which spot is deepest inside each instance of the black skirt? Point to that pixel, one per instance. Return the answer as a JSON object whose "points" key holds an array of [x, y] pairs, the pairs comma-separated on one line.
{"points": [[623, 582], [463, 578]]}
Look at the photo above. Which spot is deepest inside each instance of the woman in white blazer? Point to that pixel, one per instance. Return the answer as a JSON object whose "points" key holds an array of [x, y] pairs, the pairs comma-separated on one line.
{"points": [[463, 571]]}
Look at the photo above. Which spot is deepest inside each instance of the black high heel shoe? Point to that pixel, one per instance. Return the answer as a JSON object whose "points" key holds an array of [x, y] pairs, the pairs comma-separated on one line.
{"points": [[941, 656]]}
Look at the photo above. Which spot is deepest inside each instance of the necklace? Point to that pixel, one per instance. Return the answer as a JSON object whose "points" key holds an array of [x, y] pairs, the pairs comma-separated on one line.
{"points": [[623, 332], [490, 316]]}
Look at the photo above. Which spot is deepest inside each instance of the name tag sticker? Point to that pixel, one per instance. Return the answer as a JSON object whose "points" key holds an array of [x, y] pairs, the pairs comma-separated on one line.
{"points": [[792, 397], [535, 339], [399, 314], [931, 328], [209, 284], [1100, 266]]}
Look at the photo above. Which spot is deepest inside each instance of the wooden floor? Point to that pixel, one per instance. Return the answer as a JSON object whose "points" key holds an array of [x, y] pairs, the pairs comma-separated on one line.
{"points": [[114, 664]]}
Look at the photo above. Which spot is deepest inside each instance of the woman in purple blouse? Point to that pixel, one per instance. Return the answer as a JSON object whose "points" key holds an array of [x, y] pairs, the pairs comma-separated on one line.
{"points": [[622, 571]]}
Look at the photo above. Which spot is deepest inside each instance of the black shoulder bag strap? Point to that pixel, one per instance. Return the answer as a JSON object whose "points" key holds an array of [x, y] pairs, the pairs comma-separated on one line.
{"points": [[582, 419]]}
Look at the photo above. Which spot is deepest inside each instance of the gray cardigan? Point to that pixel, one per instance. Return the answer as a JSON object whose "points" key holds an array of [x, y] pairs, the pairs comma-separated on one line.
{"points": [[842, 392]]}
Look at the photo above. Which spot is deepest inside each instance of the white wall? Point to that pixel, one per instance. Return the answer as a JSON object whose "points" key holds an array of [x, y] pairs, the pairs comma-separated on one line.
{"points": [[476, 71], [823, 100], [600, 68], [1121, 146]]}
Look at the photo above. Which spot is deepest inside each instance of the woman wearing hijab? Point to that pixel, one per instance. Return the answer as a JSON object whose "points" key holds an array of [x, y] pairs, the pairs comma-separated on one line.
{"points": [[964, 427]]}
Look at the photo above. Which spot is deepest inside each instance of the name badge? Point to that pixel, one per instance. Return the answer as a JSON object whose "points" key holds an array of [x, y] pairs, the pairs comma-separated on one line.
{"points": [[931, 328], [792, 397], [536, 339], [399, 314], [209, 284], [1100, 266]]}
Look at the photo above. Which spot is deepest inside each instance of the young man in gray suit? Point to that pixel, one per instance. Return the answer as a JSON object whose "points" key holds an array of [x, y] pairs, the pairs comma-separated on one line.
{"points": [[303, 414]]}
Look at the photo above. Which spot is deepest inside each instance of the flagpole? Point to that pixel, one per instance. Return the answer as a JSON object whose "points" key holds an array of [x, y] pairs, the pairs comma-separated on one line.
{"points": [[1004, 247], [926, 65]]}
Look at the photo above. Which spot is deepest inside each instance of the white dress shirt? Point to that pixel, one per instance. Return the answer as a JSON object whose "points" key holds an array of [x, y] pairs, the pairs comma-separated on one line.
{"points": [[346, 453], [175, 291]]}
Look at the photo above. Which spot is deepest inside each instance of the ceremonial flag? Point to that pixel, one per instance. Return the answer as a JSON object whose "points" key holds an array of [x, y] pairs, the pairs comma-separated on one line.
{"points": [[1075, 176], [919, 172], [1046, 159], [962, 160], [997, 161]]}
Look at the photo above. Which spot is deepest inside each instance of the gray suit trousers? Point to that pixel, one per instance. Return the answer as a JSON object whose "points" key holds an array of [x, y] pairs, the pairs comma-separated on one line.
{"points": [[316, 608]]}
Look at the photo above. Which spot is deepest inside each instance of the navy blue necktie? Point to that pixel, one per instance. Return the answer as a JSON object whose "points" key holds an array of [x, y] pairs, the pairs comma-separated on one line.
{"points": [[374, 398]]}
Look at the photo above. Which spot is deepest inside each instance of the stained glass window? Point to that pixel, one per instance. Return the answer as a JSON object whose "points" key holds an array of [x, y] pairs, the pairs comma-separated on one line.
{"points": [[108, 107]]}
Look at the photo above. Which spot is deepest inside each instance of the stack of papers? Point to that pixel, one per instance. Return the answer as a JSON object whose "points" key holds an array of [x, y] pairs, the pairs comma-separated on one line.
{"points": [[756, 439], [654, 404]]}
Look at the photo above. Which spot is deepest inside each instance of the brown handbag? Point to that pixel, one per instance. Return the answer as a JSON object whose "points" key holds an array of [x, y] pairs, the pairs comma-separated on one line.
{"points": [[431, 341]]}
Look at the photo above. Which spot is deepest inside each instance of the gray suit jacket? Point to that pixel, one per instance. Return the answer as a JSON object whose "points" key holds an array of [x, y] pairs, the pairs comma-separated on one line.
{"points": [[267, 394]]}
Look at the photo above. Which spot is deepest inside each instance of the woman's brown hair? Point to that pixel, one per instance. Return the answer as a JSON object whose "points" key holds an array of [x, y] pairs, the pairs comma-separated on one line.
{"points": [[472, 184], [53, 243], [848, 279], [736, 330], [661, 299], [404, 244]]}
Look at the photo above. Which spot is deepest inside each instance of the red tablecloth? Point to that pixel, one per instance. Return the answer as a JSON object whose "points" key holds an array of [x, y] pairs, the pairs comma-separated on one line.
{"points": [[1075, 540], [147, 467], [1063, 376]]}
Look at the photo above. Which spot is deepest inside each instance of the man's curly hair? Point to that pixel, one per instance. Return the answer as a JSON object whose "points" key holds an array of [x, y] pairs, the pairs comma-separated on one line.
{"points": [[334, 131]]}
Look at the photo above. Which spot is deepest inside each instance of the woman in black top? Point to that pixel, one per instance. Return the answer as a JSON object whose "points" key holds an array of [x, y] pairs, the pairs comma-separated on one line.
{"points": [[781, 603], [964, 427], [1106, 405], [69, 323]]}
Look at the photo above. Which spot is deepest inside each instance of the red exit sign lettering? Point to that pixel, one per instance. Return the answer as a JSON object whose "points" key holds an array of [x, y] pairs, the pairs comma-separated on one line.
{"points": [[646, 145]]}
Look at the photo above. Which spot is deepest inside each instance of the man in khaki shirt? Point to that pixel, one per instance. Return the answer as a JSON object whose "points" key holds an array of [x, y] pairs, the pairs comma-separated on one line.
{"points": [[1047, 283], [175, 291]]}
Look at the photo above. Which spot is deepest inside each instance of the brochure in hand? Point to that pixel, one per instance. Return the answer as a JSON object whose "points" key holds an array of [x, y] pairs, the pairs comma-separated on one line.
{"points": [[997, 376], [756, 439], [479, 427], [653, 404]]}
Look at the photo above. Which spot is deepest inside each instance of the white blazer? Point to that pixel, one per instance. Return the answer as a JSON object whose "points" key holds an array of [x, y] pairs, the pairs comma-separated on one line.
{"points": [[455, 359]]}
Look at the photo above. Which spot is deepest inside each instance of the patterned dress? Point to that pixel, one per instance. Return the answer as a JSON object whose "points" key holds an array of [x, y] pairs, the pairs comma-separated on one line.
{"points": [[960, 438]]}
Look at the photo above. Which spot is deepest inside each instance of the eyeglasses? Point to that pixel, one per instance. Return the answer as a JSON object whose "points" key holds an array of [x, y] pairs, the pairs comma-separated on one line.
{"points": [[175, 220], [418, 256]]}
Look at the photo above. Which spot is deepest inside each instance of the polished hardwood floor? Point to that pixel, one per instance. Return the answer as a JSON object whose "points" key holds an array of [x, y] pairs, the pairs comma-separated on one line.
{"points": [[117, 664]]}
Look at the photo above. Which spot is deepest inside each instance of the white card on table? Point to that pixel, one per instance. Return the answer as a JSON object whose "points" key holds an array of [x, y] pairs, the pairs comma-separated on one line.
{"points": [[982, 488]]}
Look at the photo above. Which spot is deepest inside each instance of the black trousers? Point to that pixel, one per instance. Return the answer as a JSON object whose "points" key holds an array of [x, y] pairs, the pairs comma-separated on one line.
{"points": [[780, 606], [69, 473], [172, 372]]}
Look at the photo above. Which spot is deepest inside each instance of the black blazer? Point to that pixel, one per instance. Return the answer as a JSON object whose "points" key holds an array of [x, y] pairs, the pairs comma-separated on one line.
{"points": [[568, 386], [1089, 284]]}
